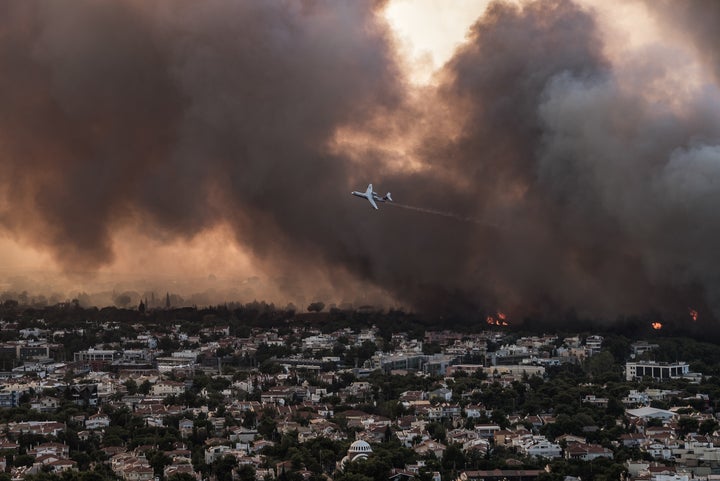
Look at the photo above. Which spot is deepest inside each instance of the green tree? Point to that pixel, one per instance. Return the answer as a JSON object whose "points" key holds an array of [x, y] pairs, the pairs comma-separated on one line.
{"points": [[145, 387], [437, 431], [316, 306], [615, 407], [158, 460], [223, 468], [82, 458], [23, 460], [453, 459], [132, 386], [708, 426], [181, 477], [687, 425], [246, 473], [431, 348], [602, 366], [500, 418]]}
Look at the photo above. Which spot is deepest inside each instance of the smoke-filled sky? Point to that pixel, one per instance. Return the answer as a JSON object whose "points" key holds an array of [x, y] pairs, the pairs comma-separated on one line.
{"points": [[551, 155]]}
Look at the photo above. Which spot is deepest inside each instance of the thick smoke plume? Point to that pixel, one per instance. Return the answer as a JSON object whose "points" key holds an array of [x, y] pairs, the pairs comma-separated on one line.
{"points": [[594, 180]]}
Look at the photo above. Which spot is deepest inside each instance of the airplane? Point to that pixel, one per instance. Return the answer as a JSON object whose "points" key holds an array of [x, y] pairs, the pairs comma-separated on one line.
{"points": [[372, 196]]}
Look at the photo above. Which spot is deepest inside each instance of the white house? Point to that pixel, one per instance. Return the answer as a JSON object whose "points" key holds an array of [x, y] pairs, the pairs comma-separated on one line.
{"points": [[429, 446], [214, 453], [587, 452], [168, 388], [650, 413], [97, 421], [486, 430], [539, 446], [474, 410]]}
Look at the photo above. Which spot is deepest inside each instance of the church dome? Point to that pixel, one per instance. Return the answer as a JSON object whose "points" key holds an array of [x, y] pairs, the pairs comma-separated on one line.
{"points": [[357, 451], [359, 447]]}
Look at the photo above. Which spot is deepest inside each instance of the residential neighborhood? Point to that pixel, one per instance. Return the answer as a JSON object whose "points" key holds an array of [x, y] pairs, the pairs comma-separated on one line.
{"points": [[324, 396]]}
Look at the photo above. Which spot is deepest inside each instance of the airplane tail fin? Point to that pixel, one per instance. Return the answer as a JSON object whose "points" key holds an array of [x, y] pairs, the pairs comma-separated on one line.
{"points": [[387, 197]]}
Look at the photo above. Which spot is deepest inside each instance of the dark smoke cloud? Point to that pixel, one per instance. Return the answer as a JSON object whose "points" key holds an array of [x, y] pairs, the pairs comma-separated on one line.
{"points": [[88, 108], [694, 20], [607, 194], [582, 191], [181, 113]]}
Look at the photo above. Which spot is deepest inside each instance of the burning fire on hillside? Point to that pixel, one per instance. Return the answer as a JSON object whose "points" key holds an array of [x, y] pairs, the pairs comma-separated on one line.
{"points": [[499, 319], [657, 325], [693, 314]]}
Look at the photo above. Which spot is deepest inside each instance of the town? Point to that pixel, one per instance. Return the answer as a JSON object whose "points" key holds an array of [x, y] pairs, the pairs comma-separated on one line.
{"points": [[253, 392]]}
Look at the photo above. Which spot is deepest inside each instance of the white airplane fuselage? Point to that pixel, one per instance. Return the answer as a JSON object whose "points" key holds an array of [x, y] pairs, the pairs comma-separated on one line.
{"points": [[372, 196]]}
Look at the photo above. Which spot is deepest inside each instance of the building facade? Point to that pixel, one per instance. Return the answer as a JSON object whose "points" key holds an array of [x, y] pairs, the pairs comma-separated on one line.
{"points": [[656, 370]]}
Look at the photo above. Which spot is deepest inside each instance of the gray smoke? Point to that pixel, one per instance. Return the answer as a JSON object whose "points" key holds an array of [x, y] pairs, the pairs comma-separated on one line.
{"points": [[182, 115], [694, 21]]}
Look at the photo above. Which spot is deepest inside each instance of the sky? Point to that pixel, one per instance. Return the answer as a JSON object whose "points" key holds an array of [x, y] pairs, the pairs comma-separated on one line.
{"points": [[545, 156]]}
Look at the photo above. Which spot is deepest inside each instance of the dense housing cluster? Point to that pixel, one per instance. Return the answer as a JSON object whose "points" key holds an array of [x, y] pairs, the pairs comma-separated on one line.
{"points": [[254, 393]]}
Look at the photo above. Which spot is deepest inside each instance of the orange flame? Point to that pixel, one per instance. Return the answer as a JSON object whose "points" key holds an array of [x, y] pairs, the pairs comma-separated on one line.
{"points": [[656, 325], [693, 314], [498, 320]]}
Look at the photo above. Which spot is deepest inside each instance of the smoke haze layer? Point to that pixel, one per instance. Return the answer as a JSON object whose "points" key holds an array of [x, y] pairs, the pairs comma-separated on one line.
{"points": [[590, 175]]}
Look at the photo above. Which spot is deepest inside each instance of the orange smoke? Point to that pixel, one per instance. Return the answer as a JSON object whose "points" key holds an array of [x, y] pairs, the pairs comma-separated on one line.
{"points": [[657, 325], [693, 314]]}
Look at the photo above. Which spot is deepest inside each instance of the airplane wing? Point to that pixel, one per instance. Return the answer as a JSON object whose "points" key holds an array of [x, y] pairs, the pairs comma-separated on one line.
{"points": [[372, 202]]}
